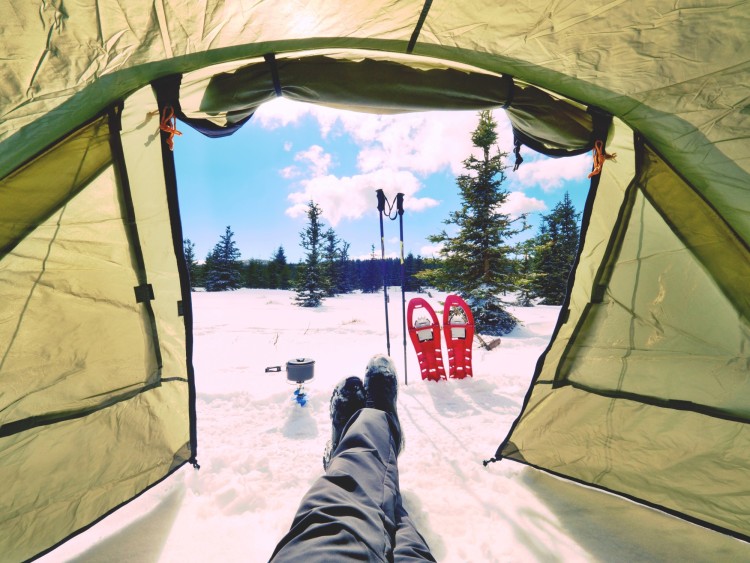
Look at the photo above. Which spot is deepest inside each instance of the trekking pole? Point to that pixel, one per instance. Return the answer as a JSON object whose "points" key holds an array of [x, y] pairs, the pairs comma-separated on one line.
{"points": [[400, 209], [381, 209]]}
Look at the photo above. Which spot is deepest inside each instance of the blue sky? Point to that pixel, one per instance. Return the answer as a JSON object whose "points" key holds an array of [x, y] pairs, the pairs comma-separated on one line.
{"points": [[260, 179]]}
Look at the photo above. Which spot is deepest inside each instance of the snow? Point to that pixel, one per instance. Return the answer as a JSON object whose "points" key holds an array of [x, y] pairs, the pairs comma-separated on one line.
{"points": [[259, 451]]}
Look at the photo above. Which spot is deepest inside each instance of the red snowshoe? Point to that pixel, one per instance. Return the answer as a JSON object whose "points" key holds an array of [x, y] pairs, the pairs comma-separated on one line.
{"points": [[424, 331], [458, 327]]}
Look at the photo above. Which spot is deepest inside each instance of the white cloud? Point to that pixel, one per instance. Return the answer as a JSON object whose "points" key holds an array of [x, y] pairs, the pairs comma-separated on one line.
{"points": [[431, 250], [519, 203], [353, 196], [288, 146], [395, 150], [551, 173], [417, 204], [316, 158], [290, 172], [280, 112], [424, 143]]}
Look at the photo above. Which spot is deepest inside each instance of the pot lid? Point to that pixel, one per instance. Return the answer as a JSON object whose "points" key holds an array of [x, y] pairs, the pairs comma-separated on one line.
{"points": [[300, 362]]}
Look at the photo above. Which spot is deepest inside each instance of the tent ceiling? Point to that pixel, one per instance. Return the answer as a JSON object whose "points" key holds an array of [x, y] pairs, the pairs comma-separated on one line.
{"points": [[678, 74]]}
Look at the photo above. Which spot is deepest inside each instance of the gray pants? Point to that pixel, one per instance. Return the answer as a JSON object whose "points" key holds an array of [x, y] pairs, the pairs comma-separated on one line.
{"points": [[354, 511]]}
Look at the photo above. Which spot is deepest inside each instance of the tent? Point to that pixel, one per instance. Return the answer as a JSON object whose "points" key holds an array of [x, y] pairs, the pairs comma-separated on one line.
{"points": [[644, 389]]}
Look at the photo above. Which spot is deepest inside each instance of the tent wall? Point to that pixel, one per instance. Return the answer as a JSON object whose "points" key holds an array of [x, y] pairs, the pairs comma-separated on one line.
{"points": [[94, 405], [606, 206], [644, 390], [683, 462]]}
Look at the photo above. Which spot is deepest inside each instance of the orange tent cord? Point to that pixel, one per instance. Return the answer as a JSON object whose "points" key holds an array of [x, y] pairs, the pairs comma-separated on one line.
{"points": [[169, 125], [599, 157]]}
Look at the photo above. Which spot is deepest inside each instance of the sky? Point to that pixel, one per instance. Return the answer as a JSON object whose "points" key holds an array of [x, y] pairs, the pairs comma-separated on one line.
{"points": [[260, 180]]}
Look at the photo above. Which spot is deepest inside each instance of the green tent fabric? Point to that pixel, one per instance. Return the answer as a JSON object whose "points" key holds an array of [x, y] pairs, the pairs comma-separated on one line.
{"points": [[644, 389]]}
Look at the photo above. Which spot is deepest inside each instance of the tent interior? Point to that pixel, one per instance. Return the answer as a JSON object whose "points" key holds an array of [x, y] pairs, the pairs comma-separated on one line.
{"points": [[643, 390]]}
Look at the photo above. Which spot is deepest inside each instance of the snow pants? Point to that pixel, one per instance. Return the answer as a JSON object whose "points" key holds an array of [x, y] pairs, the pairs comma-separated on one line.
{"points": [[354, 511]]}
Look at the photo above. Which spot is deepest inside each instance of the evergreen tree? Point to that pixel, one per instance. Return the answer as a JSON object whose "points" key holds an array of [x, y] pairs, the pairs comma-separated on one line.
{"points": [[256, 274], [476, 262], [293, 274], [311, 280], [222, 271], [331, 264], [346, 281], [372, 276], [192, 264], [556, 248], [412, 265], [278, 270], [526, 274]]}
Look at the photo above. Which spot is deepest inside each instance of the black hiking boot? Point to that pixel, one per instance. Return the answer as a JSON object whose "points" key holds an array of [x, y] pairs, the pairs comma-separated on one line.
{"points": [[381, 386], [347, 398], [381, 390]]}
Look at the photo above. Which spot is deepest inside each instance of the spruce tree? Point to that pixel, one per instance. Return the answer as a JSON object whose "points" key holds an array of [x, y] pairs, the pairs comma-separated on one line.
{"points": [[525, 270], [477, 261], [222, 270], [331, 264], [192, 264], [372, 275], [347, 278], [525, 274], [412, 265], [293, 273], [556, 248], [278, 270], [311, 280], [256, 274]]}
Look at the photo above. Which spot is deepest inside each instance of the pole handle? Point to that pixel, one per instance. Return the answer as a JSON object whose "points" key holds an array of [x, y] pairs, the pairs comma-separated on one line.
{"points": [[381, 200]]}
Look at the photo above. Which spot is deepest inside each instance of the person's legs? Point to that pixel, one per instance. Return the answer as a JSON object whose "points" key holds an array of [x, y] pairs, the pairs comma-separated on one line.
{"points": [[350, 513], [354, 512], [409, 544]]}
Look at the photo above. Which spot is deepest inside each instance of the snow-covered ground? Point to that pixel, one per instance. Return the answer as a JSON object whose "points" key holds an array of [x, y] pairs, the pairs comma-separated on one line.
{"points": [[259, 451]]}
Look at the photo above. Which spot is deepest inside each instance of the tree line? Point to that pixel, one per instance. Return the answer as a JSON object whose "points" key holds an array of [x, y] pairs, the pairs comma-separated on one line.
{"points": [[223, 270], [538, 269], [477, 261]]}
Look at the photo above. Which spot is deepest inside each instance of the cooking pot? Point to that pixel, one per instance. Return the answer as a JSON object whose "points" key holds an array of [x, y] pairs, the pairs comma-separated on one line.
{"points": [[298, 370]]}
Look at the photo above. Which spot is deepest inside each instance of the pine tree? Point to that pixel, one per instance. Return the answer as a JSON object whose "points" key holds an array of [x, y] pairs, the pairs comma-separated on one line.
{"points": [[278, 270], [192, 264], [222, 264], [371, 278], [346, 279], [526, 275], [256, 274], [477, 261], [331, 264], [556, 248], [293, 274], [412, 265], [311, 281]]}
